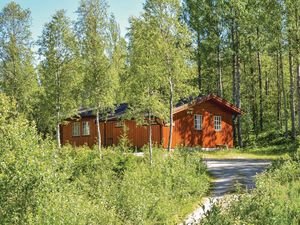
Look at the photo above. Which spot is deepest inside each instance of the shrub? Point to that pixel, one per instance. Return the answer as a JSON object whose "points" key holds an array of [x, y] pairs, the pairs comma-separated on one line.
{"points": [[40, 184], [274, 201]]}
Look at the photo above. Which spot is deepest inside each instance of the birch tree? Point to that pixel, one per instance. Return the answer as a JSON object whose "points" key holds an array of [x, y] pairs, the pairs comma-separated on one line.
{"points": [[173, 40], [145, 80], [16, 58], [100, 80], [59, 71]]}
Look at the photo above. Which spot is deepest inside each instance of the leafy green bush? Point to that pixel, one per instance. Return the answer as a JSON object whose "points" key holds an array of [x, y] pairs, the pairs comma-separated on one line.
{"points": [[40, 184], [276, 200], [269, 138], [24, 160]]}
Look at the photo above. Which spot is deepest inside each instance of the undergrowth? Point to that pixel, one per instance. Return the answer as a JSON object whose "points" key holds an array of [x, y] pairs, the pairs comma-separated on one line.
{"points": [[41, 184], [276, 200]]}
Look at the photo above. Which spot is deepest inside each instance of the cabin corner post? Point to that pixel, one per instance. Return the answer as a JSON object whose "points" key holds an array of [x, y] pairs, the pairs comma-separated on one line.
{"points": [[98, 133]]}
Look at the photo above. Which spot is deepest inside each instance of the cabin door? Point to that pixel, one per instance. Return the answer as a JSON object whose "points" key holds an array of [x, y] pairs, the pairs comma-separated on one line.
{"points": [[109, 133]]}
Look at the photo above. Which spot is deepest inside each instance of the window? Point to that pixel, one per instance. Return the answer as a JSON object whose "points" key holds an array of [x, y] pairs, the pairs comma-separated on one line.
{"points": [[86, 128], [198, 122], [76, 129], [217, 121]]}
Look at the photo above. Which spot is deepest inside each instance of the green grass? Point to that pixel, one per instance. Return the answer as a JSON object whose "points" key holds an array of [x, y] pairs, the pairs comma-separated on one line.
{"points": [[274, 201], [263, 152], [236, 153]]}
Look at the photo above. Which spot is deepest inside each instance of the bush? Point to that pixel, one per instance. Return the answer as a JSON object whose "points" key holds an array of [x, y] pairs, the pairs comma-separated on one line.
{"points": [[40, 184], [274, 201]]}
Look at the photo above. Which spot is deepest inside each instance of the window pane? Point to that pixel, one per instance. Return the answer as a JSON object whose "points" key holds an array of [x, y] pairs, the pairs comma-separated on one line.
{"points": [[217, 123], [86, 128], [76, 129], [198, 122]]}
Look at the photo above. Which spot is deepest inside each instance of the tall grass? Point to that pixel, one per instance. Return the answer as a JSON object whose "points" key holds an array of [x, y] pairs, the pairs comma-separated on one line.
{"points": [[276, 200]]}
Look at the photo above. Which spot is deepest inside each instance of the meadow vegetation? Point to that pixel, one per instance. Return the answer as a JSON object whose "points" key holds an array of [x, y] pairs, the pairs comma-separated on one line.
{"points": [[267, 145], [41, 184], [276, 200]]}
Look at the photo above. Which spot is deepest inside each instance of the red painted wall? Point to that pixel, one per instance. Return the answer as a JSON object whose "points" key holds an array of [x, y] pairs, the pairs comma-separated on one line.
{"points": [[185, 134], [90, 140], [183, 130], [110, 133]]}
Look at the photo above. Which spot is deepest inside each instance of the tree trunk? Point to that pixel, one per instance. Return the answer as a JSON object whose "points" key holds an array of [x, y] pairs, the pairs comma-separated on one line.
{"points": [[98, 133], [238, 90], [199, 63], [267, 85], [260, 85], [171, 116], [150, 137], [233, 76], [58, 135], [292, 90], [220, 85], [253, 104], [284, 94], [253, 94], [279, 123], [298, 91], [298, 68], [58, 108]]}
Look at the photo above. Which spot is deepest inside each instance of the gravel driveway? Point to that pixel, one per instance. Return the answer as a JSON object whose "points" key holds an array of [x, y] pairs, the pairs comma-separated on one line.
{"points": [[227, 173]]}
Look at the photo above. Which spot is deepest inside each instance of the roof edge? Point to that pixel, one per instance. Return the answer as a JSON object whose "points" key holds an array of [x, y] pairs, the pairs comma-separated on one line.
{"points": [[218, 99]]}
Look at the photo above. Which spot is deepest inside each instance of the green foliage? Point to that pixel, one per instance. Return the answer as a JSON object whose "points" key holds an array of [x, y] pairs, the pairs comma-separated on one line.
{"points": [[274, 201], [58, 71], [158, 55], [40, 184], [16, 57], [124, 142], [25, 165], [99, 41]]}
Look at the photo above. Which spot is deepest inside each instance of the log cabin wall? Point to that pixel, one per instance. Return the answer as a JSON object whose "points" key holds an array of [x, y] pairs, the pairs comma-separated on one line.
{"points": [[185, 134], [111, 132]]}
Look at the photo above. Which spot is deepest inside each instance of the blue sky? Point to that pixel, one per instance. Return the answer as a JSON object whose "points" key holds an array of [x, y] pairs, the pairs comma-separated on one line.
{"points": [[42, 10]]}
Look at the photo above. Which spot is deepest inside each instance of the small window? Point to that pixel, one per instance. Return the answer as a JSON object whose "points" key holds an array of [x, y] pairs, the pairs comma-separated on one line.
{"points": [[86, 128], [217, 122], [198, 122], [76, 129]]}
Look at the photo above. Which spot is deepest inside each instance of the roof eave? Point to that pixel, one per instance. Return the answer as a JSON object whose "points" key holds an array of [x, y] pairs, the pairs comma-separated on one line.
{"points": [[219, 100]]}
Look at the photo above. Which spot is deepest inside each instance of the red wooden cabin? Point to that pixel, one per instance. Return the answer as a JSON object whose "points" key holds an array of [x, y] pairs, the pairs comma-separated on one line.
{"points": [[205, 122]]}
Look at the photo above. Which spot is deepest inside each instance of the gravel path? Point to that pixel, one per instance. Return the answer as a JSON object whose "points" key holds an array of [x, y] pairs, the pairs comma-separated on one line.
{"points": [[227, 173]]}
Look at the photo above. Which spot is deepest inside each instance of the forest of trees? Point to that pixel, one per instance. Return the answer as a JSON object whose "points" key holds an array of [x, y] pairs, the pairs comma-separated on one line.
{"points": [[247, 52]]}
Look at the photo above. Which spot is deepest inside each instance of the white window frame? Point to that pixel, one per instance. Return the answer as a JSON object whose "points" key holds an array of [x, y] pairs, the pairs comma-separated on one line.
{"points": [[86, 128], [197, 122], [76, 129], [218, 123]]}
